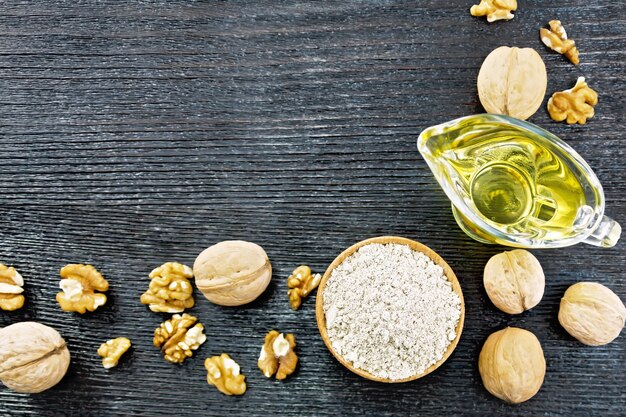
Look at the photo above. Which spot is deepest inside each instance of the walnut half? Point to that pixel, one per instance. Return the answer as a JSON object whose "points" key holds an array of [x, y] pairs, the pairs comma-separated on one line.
{"points": [[278, 355], [170, 290], [495, 9], [178, 339], [301, 282], [574, 105], [112, 350], [224, 374], [79, 284], [556, 39], [11, 283]]}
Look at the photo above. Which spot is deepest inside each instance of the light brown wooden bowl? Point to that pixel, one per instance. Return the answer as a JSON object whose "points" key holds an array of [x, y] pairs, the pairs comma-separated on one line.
{"points": [[416, 246]]}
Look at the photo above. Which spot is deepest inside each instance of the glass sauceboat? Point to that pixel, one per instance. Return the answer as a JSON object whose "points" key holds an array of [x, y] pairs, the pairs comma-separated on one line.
{"points": [[545, 194]]}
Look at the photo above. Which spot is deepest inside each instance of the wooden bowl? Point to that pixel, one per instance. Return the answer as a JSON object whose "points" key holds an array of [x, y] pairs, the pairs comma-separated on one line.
{"points": [[416, 246]]}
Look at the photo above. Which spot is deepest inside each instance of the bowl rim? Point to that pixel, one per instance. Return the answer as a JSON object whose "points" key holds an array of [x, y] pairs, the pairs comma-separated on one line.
{"points": [[416, 246]]}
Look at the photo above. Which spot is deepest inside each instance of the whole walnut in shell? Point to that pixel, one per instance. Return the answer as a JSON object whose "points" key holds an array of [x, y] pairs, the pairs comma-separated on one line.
{"points": [[511, 364], [33, 357], [514, 281], [592, 313], [512, 81], [232, 272]]}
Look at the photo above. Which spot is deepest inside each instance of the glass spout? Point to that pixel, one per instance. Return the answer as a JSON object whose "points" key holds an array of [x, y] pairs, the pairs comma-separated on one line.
{"points": [[606, 234]]}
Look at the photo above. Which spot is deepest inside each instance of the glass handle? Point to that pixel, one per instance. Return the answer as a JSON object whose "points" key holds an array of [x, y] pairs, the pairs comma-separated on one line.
{"points": [[606, 234]]}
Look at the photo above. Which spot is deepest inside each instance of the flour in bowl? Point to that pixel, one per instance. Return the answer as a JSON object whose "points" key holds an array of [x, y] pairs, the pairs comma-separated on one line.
{"points": [[390, 310]]}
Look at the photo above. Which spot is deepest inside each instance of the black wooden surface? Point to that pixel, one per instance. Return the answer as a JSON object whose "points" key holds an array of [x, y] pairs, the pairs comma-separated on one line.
{"points": [[134, 133]]}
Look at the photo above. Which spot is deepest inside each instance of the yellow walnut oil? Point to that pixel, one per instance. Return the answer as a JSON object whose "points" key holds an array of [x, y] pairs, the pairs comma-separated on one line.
{"points": [[515, 181]]}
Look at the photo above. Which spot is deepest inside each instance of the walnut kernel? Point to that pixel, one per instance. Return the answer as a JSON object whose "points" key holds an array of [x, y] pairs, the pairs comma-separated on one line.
{"points": [[592, 313], [170, 290], [278, 355], [177, 339], [300, 283], [495, 9], [112, 350], [556, 39], [574, 105], [11, 283], [79, 284], [224, 374]]}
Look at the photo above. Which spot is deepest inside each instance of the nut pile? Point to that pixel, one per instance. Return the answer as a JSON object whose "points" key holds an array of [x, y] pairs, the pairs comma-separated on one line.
{"points": [[514, 281], [36, 357], [511, 363], [513, 81]]}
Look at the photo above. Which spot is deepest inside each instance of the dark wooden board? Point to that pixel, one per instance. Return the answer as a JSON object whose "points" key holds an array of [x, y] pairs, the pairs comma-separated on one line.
{"points": [[134, 133]]}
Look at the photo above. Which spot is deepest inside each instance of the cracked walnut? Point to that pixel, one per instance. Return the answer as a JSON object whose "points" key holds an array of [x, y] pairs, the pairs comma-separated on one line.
{"points": [[178, 339], [278, 355], [79, 284], [112, 350], [170, 290], [11, 283], [224, 374], [301, 282], [574, 105], [495, 9]]}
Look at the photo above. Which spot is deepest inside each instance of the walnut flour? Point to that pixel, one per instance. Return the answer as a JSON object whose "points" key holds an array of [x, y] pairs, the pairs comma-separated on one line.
{"points": [[390, 310]]}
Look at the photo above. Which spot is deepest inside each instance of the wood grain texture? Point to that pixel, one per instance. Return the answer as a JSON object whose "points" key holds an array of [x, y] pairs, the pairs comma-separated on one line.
{"points": [[134, 133]]}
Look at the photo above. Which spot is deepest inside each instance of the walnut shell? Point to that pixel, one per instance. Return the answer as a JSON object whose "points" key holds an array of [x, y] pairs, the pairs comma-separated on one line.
{"points": [[232, 272], [592, 313], [511, 364], [33, 357], [512, 81], [514, 281]]}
